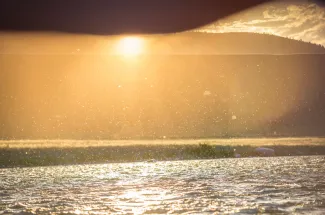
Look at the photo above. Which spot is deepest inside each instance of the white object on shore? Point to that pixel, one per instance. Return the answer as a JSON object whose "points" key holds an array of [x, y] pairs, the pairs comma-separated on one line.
{"points": [[237, 156], [265, 151]]}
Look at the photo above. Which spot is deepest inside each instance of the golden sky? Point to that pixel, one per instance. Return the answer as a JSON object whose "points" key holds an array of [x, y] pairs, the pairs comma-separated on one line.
{"points": [[66, 86]]}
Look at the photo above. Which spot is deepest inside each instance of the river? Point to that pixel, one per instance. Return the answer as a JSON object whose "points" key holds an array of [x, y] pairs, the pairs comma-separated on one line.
{"points": [[278, 185]]}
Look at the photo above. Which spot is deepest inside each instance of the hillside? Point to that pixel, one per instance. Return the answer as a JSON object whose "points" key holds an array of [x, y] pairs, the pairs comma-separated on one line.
{"points": [[177, 96], [182, 43], [237, 43]]}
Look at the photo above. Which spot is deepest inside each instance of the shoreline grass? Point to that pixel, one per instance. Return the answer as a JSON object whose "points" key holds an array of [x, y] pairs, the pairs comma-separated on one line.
{"points": [[46, 153], [66, 143]]}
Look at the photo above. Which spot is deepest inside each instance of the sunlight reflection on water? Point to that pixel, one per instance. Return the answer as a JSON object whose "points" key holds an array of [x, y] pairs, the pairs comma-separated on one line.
{"points": [[228, 186]]}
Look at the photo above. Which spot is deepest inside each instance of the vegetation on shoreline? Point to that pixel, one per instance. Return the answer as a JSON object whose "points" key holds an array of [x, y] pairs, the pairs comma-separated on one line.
{"points": [[45, 156]]}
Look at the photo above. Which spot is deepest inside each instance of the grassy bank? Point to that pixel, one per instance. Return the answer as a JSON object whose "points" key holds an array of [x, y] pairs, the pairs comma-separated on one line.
{"points": [[42, 153]]}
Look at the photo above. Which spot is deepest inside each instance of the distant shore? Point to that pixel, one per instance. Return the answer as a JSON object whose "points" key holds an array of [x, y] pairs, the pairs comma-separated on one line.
{"points": [[65, 152]]}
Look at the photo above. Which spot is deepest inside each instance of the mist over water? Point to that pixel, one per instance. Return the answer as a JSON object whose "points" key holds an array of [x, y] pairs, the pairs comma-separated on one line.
{"points": [[95, 97], [283, 185]]}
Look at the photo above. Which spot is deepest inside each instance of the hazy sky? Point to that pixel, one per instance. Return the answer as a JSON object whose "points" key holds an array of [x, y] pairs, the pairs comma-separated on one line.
{"points": [[299, 20]]}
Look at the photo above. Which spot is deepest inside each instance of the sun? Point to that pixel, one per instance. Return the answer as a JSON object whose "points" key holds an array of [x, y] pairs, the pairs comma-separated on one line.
{"points": [[130, 46]]}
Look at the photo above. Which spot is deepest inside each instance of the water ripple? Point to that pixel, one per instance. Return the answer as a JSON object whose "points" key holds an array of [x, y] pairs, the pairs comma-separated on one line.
{"points": [[281, 185]]}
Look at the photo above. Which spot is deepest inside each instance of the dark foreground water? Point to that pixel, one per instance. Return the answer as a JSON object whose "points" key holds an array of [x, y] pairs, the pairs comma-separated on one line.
{"points": [[279, 185]]}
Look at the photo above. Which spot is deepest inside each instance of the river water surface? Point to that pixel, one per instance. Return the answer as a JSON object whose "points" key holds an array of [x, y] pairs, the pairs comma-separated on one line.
{"points": [[279, 185]]}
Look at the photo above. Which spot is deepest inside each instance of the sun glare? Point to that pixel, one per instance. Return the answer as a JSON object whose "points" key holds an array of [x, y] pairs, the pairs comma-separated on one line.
{"points": [[130, 46]]}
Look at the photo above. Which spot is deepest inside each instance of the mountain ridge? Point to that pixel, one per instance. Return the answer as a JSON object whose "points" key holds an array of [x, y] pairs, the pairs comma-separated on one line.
{"points": [[180, 43], [245, 43]]}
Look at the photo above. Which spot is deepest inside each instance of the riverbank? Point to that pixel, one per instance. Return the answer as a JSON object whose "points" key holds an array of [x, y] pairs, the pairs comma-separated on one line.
{"points": [[66, 152]]}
